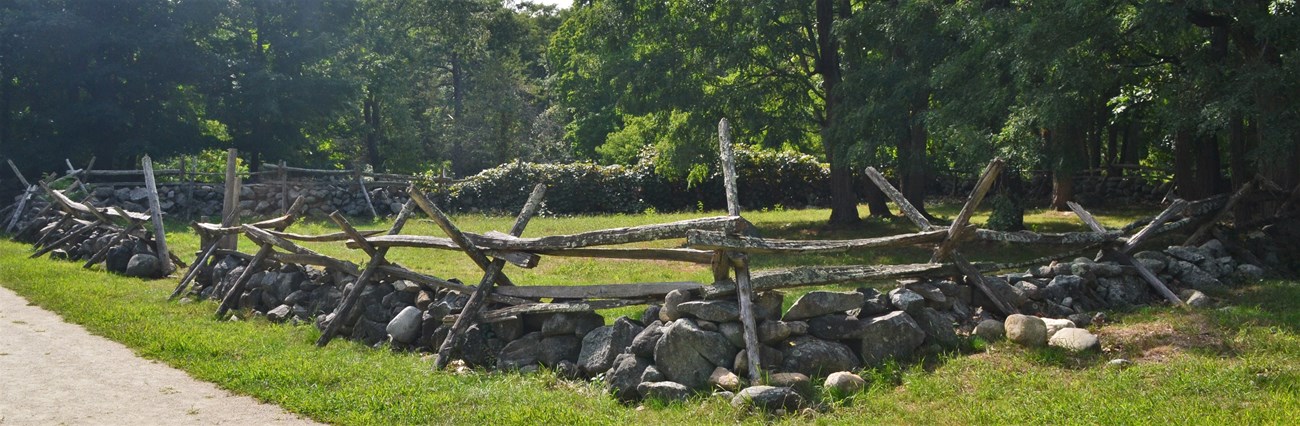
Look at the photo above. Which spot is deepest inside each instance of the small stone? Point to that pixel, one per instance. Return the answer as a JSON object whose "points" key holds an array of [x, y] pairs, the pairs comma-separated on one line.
{"points": [[795, 381], [626, 375], [724, 379], [816, 303], [669, 312], [1075, 340], [844, 383], [664, 391], [279, 313], [990, 330], [1197, 299], [768, 398], [1026, 330], [1119, 363]]}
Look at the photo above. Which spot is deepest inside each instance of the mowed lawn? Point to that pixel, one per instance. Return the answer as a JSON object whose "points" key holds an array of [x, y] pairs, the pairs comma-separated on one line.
{"points": [[1232, 365]]}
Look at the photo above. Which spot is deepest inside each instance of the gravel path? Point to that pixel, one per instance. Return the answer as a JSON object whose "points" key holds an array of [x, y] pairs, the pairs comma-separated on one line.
{"points": [[53, 372]]}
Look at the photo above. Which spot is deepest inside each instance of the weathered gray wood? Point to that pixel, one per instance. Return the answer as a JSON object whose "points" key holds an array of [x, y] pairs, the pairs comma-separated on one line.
{"points": [[18, 173], [603, 291], [1066, 238], [406, 274], [676, 255], [18, 212], [284, 186], [260, 236], [978, 280], [324, 238], [718, 240], [1204, 229], [79, 208], [155, 213], [517, 258], [265, 248], [1177, 207], [806, 276], [342, 313], [485, 287], [103, 252], [547, 308], [908, 209], [633, 234], [963, 217], [1123, 257], [212, 246], [75, 233], [60, 224], [744, 292], [230, 200], [361, 182]]}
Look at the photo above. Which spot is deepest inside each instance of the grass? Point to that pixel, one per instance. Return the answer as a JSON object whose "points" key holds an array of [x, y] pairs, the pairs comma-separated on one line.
{"points": [[1231, 365]]}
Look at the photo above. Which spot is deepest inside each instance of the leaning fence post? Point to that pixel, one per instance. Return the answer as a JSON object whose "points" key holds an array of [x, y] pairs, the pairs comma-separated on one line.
{"points": [[155, 210]]}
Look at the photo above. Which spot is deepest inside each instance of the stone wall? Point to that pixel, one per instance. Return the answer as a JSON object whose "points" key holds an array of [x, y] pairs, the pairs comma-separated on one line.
{"points": [[255, 200]]}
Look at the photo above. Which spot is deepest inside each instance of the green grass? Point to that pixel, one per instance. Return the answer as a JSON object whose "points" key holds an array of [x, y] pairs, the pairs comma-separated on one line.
{"points": [[1232, 365]]}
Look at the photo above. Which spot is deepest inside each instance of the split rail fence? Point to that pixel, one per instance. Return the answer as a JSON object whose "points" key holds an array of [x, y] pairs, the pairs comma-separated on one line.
{"points": [[724, 244]]}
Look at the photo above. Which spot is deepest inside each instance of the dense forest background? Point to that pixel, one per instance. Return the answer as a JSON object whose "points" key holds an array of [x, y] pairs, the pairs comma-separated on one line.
{"points": [[1206, 89]]}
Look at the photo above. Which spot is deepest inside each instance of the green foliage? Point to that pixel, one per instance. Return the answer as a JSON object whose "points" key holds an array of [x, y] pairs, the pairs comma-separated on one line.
{"points": [[210, 162], [576, 188]]}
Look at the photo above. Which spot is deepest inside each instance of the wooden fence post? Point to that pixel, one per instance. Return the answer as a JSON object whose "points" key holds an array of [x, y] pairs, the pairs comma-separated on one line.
{"points": [[155, 211], [744, 291], [230, 203]]}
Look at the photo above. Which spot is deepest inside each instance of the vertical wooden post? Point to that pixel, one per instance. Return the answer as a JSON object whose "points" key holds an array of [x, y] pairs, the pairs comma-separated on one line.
{"points": [[230, 203], [21, 204], [744, 291], [284, 187], [361, 183], [155, 210]]}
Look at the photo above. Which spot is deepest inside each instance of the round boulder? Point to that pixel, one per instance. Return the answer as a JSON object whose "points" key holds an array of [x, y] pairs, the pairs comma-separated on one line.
{"points": [[1026, 330]]}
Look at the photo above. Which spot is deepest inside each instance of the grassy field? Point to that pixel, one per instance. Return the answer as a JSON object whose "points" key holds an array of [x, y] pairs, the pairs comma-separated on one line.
{"points": [[1232, 365]]}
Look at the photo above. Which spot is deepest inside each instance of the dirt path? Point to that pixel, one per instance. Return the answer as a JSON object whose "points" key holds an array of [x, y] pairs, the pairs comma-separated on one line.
{"points": [[53, 372]]}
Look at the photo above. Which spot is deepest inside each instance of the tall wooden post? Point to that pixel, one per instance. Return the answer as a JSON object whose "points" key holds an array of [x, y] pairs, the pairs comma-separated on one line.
{"points": [[744, 291], [155, 210], [230, 203]]}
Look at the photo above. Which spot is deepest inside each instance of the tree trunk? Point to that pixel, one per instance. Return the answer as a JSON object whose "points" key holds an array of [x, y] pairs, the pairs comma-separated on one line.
{"points": [[1112, 150], [844, 202], [1184, 165], [370, 113], [1063, 147], [1062, 190], [912, 163]]}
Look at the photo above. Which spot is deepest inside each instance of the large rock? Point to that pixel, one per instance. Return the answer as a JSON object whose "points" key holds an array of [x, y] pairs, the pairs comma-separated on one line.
{"points": [[893, 335], [560, 348], [937, 327], [724, 379], [873, 303], [906, 300], [1004, 290], [769, 358], [600, 346], [1198, 279], [625, 375], [1075, 340], [688, 355], [405, 326], [643, 345], [798, 382], [521, 352], [812, 356], [711, 310], [119, 256], [816, 303], [1062, 286], [767, 305], [836, 327], [1026, 330], [664, 391], [577, 323], [768, 398], [143, 265]]}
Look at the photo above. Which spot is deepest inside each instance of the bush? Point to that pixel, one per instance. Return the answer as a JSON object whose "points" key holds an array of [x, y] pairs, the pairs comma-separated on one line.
{"points": [[767, 179]]}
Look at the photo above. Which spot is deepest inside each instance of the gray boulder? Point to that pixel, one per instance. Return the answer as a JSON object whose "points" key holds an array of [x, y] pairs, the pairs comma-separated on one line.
{"points": [[711, 310], [577, 323], [767, 398], [1062, 286], [405, 326], [555, 349], [688, 355], [771, 332], [521, 352], [990, 330], [625, 375], [724, 379], [906, 300], [812, 356], [893, 335], [816, 303], [669, 312], [836, 327], [600, 346], [767, 305], [664, 391], [643, 345], [279, 313], [1055, 324], [937, 327], [143, 265], [844, 383], [873, 303]]}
